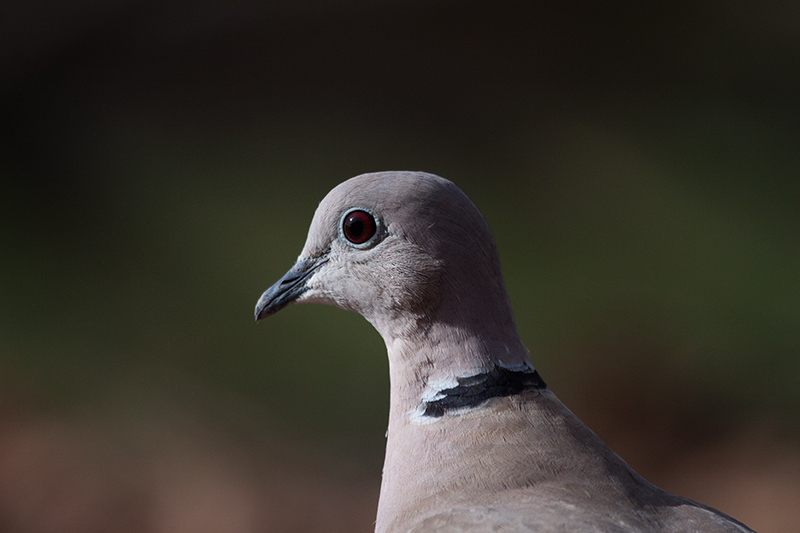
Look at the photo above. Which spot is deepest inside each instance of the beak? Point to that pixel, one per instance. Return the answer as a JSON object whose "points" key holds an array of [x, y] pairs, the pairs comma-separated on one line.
{"points": [[287, 289]]}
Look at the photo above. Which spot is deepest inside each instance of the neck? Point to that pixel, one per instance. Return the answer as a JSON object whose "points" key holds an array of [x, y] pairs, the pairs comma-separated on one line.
{"points": [[428, 353], [424, 371], [424, 364]]}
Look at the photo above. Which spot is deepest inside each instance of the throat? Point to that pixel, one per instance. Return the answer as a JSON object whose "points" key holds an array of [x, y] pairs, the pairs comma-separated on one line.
{"points": [[472, 391]]}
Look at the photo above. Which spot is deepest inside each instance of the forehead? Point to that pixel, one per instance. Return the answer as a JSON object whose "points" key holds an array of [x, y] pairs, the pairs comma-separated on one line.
{"points": [[404, 201], [387, 194], [387, 190]]}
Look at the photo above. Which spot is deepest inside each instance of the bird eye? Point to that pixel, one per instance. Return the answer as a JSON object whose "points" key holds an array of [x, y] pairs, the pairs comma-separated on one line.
{"points": [[358, 226]]}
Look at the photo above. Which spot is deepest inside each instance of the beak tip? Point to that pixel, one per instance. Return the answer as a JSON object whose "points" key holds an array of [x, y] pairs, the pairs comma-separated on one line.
{"points": [[287, 289], [264, 308], [259, 314]]}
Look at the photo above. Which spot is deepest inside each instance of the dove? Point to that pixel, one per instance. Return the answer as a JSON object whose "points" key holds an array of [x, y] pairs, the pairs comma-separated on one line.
{"points": [[476, 440]]}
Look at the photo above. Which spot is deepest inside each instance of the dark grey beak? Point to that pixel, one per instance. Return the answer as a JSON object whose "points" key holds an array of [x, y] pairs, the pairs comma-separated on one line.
{"points": [[289, 287]]}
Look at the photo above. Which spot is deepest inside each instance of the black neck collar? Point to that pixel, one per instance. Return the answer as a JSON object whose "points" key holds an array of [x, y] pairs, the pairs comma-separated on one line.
{"points": [[472, 391]]}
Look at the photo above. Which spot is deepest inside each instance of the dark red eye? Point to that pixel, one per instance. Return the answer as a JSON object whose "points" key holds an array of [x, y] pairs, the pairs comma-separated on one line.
{"points": [[358, 226]]}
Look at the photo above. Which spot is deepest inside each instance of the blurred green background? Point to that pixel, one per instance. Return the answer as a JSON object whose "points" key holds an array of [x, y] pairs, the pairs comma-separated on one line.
{"points": [[639, 165]]}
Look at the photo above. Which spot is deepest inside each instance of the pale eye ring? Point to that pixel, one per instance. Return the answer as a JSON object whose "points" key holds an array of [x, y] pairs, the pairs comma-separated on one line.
{"points": [[358, 227]]}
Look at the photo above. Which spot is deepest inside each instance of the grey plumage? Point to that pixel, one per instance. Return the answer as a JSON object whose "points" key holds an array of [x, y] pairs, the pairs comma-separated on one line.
{"points": [[505, 455]]}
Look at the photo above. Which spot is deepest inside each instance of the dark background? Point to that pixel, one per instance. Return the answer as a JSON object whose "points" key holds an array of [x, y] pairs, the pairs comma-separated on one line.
{"points": [[161, 161]]}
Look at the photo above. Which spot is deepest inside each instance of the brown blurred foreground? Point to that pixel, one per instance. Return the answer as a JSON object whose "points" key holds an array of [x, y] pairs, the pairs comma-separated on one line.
{"points": [[169, 474], [174, 470]]}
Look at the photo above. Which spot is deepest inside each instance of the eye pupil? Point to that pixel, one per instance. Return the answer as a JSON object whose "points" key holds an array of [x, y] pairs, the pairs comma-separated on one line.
{"points": [[358, 226]]}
